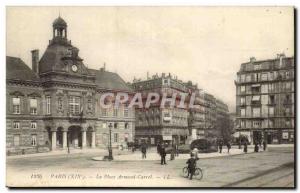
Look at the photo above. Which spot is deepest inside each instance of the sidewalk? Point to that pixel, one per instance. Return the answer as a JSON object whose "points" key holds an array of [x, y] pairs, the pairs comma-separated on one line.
{"points": [[58, 152], [137, 156]]}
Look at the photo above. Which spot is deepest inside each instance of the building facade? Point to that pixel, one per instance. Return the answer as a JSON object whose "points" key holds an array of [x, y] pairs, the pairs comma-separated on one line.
{"points": [[210, 117], [156, 124], [265, 100], [56, 104]]}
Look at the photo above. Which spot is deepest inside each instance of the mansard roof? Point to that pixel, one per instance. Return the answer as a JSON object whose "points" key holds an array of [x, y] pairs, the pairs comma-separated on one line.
{"points": [[110, 80], [52, 58], [17, 69]]}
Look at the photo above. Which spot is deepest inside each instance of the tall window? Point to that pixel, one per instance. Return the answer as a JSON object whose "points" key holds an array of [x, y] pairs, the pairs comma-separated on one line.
{"points": [[33, 140], [48, 105], [126, 112], [264, 76], [242, 123], [59, 104], [115, 112], [104, 112], [115, 125], [116, 137], [243, 101], [33, 125], [16, 140], [243, 78], [271, 110], [256, 112], [89, 104], [243, 89], [271, 87], [16, 105], [16, 125], [243, 112], [74, 105], [126, 126], [33, 106], [248, 78]]}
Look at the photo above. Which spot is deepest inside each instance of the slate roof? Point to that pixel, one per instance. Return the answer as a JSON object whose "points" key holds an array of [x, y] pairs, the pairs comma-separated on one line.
{"points": [[51, 59], [17, 69], [110, 80]]}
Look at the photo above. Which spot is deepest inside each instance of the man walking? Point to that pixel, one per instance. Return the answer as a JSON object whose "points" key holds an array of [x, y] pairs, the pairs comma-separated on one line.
{"points": [[176, 150], [163, 155], [228, 146], [220, 147], [245, 147], [265, 145], [144, 151], [158, 147], [256, 148]]}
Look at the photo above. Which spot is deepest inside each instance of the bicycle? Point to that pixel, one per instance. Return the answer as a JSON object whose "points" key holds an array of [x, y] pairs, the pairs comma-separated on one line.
{"points": [[198, 174]]}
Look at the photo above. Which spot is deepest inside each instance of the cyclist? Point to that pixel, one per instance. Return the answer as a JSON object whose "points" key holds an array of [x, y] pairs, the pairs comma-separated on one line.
{"points": [[192, 162]]}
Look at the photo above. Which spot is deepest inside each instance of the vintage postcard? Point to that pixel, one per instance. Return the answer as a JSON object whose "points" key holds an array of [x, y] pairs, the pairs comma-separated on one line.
{"points": [[150, 97]]}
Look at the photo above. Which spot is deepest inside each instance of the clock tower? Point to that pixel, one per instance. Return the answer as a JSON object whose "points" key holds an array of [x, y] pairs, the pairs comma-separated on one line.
{"points": [[61, 58]]}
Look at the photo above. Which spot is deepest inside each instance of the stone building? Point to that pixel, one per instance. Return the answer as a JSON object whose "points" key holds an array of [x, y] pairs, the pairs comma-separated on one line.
{"points": [[265, 100], [155, 124], [56, 104], [210, 117]]}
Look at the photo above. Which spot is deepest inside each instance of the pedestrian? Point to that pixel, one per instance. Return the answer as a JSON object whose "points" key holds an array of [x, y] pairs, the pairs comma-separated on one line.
{"points": [[240, 144], [245, 147], [192, 162], [158, 147], [176, 150], [265, 145], [228, 147], [163, 155], [220, 147], [144, 151], [256, 148]]}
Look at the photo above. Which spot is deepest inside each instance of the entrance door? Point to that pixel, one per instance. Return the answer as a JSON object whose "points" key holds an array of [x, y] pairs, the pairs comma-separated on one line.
{"points": [[75, 137], [269, 139]]}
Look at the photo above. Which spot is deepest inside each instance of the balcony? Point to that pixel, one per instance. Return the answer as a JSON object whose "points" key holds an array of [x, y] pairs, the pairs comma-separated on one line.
{"points": [[76, 117]]}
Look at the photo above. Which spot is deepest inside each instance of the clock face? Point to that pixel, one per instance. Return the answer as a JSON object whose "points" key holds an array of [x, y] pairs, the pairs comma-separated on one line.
{"points": [[74, 68]]}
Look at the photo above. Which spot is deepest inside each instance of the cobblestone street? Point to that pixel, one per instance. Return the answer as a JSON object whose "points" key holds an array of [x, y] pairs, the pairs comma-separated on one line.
{"points": [[271, 168]]}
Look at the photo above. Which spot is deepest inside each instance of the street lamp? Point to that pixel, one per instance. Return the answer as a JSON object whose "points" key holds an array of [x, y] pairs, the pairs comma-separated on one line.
{"points": [[110, 155]]}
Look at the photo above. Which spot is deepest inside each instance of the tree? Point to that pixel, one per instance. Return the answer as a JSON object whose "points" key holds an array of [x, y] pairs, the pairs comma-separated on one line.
{"points": [[224, 127]]}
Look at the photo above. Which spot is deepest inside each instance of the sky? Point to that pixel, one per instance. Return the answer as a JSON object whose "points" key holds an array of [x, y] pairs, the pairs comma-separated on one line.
{"points": [[203, 44]]}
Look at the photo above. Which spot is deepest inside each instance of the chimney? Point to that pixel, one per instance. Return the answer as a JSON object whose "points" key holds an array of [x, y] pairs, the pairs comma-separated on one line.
{"points": [[252, 59], [163, 75], [103, 68], [35, 61], [147, 75], [280, 57]]}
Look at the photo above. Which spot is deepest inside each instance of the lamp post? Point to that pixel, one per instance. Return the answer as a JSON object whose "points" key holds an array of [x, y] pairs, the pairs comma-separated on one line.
{"points": [[110, 156]]}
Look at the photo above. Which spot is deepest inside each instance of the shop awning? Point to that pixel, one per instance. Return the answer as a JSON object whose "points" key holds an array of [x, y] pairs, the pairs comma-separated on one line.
{"points": [[167, 137]]}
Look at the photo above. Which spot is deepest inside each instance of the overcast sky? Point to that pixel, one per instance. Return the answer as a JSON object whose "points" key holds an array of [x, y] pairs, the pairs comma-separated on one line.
{"points": [[203, 44]]}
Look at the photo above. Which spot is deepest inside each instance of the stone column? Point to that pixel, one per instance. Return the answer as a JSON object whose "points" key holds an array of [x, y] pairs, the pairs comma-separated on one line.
{"points": [[53, 140], [64, 139], [83, 133], [93, 139]]}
